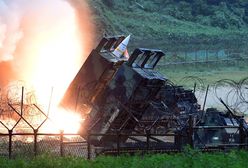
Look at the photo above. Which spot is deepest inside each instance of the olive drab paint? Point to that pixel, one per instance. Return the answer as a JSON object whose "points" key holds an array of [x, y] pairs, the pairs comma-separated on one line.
{"points": [[116, 93]]}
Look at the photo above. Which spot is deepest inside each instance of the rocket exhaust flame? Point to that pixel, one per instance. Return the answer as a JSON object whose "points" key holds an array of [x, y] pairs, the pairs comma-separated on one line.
{"points": [[20, 112], [41, 44]]}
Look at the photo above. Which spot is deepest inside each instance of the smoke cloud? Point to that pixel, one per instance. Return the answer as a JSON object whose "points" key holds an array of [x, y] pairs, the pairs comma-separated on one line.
{"points": [[25, 25], [10, 32]]}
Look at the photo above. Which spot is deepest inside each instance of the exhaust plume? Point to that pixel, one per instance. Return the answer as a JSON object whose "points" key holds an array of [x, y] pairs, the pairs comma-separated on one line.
{"points": [[44, 43], [34, 34]]}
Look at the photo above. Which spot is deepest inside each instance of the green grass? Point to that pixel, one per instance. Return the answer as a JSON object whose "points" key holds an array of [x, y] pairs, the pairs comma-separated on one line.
{"points": [[208, 73], [161, 28], [189, 158]]}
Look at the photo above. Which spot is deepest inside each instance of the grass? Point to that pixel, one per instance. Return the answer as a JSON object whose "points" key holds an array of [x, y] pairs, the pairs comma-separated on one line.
{"points": [[209, 74], [159, 28], [189, 158]]}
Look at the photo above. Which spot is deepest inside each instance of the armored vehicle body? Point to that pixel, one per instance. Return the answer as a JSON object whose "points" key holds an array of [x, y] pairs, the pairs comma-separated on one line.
{"points": [[127, 96]]}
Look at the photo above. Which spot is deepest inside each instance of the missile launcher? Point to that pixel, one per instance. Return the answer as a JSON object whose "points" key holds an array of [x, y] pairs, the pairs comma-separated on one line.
{"points": [[128, 95]]}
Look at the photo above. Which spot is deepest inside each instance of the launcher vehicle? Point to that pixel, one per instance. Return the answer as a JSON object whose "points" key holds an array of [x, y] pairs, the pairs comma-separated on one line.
{"points": [[128, 96]]}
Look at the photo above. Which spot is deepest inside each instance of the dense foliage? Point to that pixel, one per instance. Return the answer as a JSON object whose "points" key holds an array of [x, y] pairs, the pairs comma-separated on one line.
{"points": [[220, 13], [187, 159], [173, 21]]}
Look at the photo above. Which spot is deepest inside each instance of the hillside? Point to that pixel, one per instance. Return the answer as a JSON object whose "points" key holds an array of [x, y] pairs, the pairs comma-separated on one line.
{"points": [[169, 22]]}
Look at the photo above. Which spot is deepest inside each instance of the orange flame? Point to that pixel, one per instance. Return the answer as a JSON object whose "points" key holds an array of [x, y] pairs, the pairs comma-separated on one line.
{"points": [[51, 53]]}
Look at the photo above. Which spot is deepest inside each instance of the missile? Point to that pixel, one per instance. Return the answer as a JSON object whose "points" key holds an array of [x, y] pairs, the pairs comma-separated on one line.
{"points": [[121, 49]]}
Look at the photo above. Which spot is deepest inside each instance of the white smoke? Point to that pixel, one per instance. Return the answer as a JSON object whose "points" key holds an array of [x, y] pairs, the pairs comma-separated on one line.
{"points": [[10, 32], [25, 24], [42, 43], [16, 13]]}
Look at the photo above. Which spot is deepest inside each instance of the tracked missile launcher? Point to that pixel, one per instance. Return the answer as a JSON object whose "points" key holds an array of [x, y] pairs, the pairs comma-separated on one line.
{"points": [[129, 96]]}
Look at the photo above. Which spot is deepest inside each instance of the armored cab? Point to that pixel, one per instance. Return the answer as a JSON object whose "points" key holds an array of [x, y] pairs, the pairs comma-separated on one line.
{"points": [[226, 129]]}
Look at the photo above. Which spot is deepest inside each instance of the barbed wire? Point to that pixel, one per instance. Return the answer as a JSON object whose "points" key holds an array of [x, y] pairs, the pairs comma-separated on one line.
{"points": [[199, 86], [233, 93], [243, 89], [12, 95]]}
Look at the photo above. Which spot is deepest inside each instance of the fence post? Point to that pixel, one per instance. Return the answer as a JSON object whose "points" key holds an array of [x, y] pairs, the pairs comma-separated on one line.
{"points": [[207, 59], [10, 143], [178, 140], [118, 142], [147, 140], [241, 135], [88, 146], [191, 131], [217, 55], [35, 142], [206, 55], [195, 59], [61, 143]]}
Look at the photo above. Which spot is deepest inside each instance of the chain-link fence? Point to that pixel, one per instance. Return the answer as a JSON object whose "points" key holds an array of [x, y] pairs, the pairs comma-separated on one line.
{"points": [[203, 56], [29, 141], [31, 144]]}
